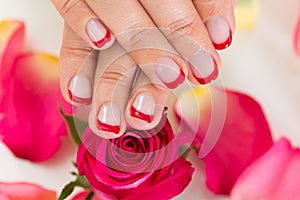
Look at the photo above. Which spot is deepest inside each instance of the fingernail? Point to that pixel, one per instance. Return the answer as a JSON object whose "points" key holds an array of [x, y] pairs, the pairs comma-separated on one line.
{"points": [[80, 90], [109, 118], [219, 31], [99, 35], [169, 72], [203, 67], [143, 107]]}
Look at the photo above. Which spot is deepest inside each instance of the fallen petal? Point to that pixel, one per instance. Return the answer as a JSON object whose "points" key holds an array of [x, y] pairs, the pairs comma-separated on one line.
{"points": [[297, 38], [231, 131], [32, 125], [25, 191], [274, 176], [12, 34]]}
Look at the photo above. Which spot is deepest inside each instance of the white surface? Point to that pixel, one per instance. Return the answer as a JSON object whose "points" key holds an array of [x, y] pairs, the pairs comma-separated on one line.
{"points": [[261, 63]]}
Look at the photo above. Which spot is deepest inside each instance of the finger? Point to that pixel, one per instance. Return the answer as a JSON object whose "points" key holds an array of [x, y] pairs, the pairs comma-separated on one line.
{"points": [[184, 28], [219, 20], [140, 37], [77, 66], [113, 80], [146, 105], [85, 23]]}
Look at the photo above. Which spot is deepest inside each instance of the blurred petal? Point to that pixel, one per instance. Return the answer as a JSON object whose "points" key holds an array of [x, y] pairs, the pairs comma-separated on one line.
{"points": [[232, 132], [297, 38], [274, 176], [83, 195], [12, 33], [32, 124], [25, 191]]}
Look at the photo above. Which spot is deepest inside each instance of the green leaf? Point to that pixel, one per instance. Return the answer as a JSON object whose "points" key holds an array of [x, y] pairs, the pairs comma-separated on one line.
{"points": [[82, 182], [90, 196], [69, 188], [75, 125], [185, 152], [67, 191]]}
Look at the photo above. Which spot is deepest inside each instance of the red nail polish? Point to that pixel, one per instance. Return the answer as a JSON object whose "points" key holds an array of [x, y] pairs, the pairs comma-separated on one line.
{"points": [[139, 115], [108, 128], [177, 82], [225, 44], [83, 101], [102, 42], [210, 78]]}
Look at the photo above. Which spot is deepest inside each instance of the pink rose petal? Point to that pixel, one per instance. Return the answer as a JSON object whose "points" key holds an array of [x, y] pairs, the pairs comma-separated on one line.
{"points": [[243, 137], [274, 176], [32, 125], [297, 38], [83, 195], [25, 191], [12, 34]]}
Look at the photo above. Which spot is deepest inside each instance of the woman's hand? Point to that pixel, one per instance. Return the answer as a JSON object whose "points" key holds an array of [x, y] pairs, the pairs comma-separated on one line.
{"points": [[177, 39]]}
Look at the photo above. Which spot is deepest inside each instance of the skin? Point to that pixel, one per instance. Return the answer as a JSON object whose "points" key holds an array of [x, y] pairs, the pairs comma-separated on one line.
{"points": [[138, 47]]}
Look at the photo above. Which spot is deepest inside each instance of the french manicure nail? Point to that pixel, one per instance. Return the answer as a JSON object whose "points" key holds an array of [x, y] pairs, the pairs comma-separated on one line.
{"points": [[143, 107], [99, 35], [219, 31], [109, 118], [203, 67], [169, 72], [80, 90]]}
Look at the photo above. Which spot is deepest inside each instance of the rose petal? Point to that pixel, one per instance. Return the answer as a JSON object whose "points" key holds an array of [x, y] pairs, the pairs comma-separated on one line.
{"points": [[32, 125], [83, 195], [274, 176], [12, 33], [238, 134], [297, 38], [25, 191]]}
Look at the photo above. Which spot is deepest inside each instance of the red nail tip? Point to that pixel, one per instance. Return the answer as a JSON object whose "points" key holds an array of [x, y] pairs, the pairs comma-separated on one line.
{"points": [[104, 41], [83, 101], [137, 114], [108, 128], [177, 82], [210, 78], [225, 44]]}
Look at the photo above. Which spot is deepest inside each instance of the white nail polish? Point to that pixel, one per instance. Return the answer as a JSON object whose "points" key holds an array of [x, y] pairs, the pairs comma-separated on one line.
{"points": [[143, 107], [169, 72], [109, 114], [203, 67], [80, 89], [99, 35], [219, 31]]}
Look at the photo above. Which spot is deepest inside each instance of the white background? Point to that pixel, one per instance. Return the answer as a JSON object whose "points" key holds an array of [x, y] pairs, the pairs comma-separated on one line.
{"points": [[261, 63]]}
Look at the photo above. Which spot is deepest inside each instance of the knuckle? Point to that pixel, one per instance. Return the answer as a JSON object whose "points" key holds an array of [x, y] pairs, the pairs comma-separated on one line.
{"points": [[116, 73], [68, 5], [183, 25], [136, 37], [75, 52]]}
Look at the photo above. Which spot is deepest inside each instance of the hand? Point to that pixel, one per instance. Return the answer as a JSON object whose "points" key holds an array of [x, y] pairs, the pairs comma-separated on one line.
{"points": [[180, 23]]}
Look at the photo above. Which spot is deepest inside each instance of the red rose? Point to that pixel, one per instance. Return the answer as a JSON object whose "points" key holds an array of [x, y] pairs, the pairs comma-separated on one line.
{"points": [[138, 165]]}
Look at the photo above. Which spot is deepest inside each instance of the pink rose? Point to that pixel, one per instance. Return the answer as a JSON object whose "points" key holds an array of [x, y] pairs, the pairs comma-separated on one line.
{"points": [[25, 191], [30, 122], [232, 132], [138, 165], [274, 176]]}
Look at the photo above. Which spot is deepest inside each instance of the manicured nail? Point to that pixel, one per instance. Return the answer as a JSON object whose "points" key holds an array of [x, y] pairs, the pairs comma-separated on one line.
{"points": [[143, 107], [99, 35], [169, 72], [219, 31], [109, 118], [203, 67], [80, 90]]}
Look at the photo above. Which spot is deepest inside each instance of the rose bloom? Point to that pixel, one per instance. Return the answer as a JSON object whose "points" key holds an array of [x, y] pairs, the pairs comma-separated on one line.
{"points": [[137, 165]]}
